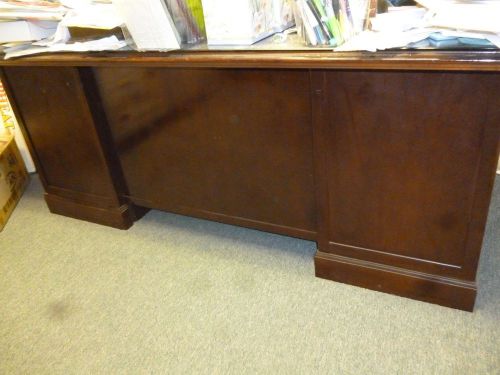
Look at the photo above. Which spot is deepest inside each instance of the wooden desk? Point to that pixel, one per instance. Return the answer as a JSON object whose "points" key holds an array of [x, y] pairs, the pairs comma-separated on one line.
{"points": [[386, 160]]}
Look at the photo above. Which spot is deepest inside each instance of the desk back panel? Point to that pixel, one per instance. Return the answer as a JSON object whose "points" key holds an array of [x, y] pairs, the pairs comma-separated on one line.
{"points": [[232, 144]]}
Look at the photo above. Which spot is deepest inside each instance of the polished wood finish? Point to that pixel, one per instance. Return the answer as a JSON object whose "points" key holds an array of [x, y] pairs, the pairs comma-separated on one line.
{"points": [[72, 160], [450, 292], [121, 217], [402, 173], [386, 160], [229, 144], [402, 168], [258, 59]]}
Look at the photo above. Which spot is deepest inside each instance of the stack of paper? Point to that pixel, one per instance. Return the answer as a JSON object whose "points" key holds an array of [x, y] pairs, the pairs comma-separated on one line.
{"points": [[149, 23], [91, 14], [399, 19], [23, 21], [471, 15], [25, 31], [472, 22], [46, 10], [438, 24], [96, 24]]}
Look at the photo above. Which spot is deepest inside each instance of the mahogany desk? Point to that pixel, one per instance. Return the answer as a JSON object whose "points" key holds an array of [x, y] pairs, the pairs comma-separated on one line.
{"points": [[386, 160]]}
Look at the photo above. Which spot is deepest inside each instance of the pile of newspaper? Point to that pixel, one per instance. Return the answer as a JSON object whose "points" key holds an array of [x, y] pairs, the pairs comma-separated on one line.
{"points": [[433, 23]]}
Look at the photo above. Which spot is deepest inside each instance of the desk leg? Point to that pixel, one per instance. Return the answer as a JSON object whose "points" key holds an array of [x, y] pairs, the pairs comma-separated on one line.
{"points": [[67, 135]]}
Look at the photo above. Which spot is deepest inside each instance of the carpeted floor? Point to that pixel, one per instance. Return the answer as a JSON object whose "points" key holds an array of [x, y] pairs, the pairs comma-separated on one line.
{"points": [[185, 296]]}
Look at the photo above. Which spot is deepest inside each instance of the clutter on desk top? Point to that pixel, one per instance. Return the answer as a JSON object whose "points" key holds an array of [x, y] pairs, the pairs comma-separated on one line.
{"points": [[244, 22], [98, 25], [36, 26], [432, 24]]}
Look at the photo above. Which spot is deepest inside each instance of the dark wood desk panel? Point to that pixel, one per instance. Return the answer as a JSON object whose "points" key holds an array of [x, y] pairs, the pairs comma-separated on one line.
{"points": [[403, 154], [53, 103], [74, 164], [405, 148], [387, 160], [233, 145]]}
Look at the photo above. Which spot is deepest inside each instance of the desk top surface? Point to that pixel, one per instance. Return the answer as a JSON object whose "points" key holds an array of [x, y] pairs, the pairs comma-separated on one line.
{"points": [[472, 60]]}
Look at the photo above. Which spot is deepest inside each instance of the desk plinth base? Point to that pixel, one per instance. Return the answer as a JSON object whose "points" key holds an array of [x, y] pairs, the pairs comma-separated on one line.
{"points": [[121, 217], [454, 293]]}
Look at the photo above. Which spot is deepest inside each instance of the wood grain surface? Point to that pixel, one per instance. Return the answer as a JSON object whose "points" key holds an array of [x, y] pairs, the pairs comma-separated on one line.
{"points": [[228, 143], [488, 60], [404, 153]]}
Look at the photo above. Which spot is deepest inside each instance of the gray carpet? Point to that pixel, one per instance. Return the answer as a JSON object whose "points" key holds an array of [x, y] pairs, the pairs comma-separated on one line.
{"points": [[185, 296]]}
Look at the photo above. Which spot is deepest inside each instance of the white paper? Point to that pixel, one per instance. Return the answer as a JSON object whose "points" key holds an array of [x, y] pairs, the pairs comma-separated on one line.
{"points": [[96, 16], [405, 18], [25, 31], [111, 43], [483, 16], [35, 15], [12, 11], [7, 5], [495, 39], [149, 23], [61, 35], [374, 41]]}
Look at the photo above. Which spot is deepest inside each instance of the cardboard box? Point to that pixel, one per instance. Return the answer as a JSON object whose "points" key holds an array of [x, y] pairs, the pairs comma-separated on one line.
{"points": [[13, 176]]}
